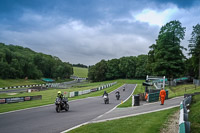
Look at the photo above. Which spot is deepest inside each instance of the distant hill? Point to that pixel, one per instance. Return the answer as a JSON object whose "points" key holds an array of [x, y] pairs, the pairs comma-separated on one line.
{"points": [[80, 72], [19, 62]]}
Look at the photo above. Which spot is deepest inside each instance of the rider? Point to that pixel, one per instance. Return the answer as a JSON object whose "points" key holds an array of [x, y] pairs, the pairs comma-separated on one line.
{"points": [[60, 95], [117, 92], [105, 94], [123, 88]]}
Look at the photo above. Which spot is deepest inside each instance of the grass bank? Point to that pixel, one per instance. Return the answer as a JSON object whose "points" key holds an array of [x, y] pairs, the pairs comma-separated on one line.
{"points": [[194, 114], [80, 72], [180, 90], [147, 123]]}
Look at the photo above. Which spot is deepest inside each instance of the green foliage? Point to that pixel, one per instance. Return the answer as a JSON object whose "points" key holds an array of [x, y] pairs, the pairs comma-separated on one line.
{"points": [[19, 62], [194, 48], [194, 114], [80, 72], [80, 65], [166, 57], [125, 67]]}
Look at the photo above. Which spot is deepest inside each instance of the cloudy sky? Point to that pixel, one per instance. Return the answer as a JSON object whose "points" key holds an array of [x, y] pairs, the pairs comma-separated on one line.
{"points": [[86, 31]]}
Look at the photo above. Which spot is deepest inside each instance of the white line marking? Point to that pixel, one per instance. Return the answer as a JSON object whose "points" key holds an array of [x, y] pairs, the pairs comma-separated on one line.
{"points": [[134, 114], [100, 115]]}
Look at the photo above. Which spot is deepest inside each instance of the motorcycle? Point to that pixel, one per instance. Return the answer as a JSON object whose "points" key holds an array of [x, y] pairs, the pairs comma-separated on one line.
{"points": [[61, 104], [106, 99], [118, 96]]}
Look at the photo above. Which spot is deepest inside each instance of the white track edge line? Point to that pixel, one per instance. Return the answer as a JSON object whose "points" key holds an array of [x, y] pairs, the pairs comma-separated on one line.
{"points": [[134, 114]]}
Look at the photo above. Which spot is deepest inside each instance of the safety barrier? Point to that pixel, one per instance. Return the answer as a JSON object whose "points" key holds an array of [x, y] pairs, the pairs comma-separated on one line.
{"points": [[19, 99], [22, 86], [52, 85], [184, 124], [78, 93], [154, 97]]}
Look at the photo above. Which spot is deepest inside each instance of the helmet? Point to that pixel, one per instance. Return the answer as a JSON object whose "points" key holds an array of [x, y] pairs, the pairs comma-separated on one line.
{"points": [[59, 92]]}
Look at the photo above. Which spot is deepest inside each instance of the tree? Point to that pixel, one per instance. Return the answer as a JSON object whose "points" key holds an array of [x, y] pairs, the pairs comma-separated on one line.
{"points": [[19, 62], [113, 71], [194, 47], [127, 67], [141, 64], [166, 57]]}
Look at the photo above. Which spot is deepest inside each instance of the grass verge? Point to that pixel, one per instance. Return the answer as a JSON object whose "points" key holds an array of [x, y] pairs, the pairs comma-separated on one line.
{"points": [[146, 123], [180, 90], [194, 114]]}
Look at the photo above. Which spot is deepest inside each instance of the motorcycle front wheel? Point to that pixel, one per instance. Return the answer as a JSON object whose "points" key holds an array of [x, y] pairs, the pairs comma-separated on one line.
{"points": [[58, 108], [66, 107]]}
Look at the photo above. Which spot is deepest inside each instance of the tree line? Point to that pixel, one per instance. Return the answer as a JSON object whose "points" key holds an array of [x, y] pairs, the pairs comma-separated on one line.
{"points": [[125, 67], [19, 62], [165, 57], [80, 65]]}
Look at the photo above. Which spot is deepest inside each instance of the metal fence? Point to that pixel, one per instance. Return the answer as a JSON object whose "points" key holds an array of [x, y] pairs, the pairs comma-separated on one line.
{"points": [[196, 82]]}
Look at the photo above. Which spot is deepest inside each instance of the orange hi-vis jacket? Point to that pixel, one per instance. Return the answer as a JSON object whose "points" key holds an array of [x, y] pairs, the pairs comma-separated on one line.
{"points": [[162, 96]]}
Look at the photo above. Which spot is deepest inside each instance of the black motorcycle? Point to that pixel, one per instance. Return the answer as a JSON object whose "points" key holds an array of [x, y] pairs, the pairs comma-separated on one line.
{"points": [[117, 96], [106, 99], [61, 104]]}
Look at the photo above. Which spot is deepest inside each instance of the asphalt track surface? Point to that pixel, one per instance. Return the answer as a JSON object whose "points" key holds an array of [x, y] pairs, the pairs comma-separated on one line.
{"points": [[46, 120]]}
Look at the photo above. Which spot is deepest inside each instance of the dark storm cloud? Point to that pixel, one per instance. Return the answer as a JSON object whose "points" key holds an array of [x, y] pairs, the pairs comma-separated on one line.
{"points": [[85, 31]]}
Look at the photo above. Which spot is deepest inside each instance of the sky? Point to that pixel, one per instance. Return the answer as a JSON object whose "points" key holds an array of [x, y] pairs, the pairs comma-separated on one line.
{"points": [[87, 31]]}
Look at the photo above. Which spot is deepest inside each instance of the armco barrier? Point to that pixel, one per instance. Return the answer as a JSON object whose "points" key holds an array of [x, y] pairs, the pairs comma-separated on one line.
{"points": [[184, 124], [19, 99], [72, 94], [22, 86]]}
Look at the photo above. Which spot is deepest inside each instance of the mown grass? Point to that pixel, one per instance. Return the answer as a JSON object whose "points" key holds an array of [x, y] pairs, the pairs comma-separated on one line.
{"points": [[18, 82], [194, 114], [180, 90], [80, 72], [146, 123]]}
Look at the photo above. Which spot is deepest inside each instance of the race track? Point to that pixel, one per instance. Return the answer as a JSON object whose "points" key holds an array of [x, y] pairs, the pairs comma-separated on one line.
{"points": [[46, 120]]}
